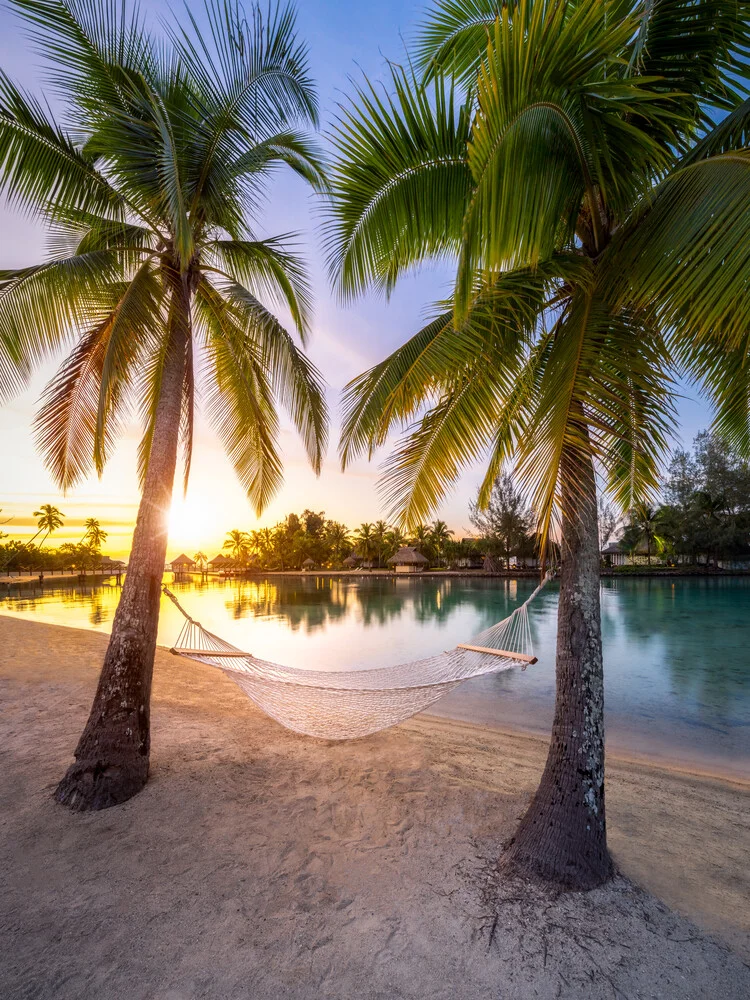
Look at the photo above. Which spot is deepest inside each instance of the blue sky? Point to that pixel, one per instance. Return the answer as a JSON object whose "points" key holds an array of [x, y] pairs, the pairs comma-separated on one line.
{"points": [[344, 40]]}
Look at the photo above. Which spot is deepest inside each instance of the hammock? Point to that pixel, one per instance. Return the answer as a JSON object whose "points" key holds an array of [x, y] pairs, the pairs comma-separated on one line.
{"points": [[343, 705]]}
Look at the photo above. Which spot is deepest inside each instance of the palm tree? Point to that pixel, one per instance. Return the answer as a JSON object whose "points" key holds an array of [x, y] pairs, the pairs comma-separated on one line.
{"points": [[365, 543], [156, 272], [337, 536], [422, 539], [395, 539], [93, 534], [439, 537], [644, 526], [202, 560], [598, 221], [238, 545], [379, 534], [49, 519]]}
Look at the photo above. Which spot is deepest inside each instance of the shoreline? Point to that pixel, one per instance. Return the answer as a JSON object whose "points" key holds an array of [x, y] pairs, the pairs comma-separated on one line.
{"points": [[624, 572], [662, 753], [616, 755], [320, 869]]}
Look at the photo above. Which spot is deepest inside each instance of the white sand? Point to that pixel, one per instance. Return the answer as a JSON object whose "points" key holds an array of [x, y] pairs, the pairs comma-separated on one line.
{"points": [[261, 864]]}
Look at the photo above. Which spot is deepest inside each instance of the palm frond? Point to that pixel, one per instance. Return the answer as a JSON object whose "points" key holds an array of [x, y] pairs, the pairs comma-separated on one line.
{"points": [[696, 51], [295, 381], [256, 70], [268, 268], [687, 251], [84, 405], [95, 46], [41, 168], [400, 182], [239, 398], [453, 37], [45, 306]]}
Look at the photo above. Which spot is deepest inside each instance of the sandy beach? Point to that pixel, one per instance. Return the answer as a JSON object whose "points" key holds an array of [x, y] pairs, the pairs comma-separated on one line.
{"points": [[261, 864]]}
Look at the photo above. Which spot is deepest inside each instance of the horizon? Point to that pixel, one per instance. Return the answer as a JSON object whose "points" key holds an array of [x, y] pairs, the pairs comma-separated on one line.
{"points": [[344, 341]]}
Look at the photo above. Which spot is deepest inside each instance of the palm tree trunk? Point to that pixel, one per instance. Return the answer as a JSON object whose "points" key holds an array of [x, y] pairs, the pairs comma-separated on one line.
{"points": [[563, 836], [112, 756]]}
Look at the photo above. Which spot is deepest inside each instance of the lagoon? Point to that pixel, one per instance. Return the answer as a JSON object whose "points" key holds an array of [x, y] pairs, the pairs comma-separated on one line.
{"points": [[677, 651]]}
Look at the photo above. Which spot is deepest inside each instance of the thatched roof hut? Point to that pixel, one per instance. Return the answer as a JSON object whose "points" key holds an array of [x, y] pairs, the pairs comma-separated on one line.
{"points": [[308, 563], [408, 560], [182, 564], [351, 561], [219, 562]]}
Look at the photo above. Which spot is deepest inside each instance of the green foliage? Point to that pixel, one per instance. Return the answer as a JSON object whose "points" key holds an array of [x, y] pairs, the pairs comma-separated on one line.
{"points": [[506, 523], [598, 219], [707, 511], [149, 187]]}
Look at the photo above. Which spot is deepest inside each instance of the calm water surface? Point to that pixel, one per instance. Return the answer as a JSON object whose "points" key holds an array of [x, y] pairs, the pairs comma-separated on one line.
{"points": [[677, 652]]}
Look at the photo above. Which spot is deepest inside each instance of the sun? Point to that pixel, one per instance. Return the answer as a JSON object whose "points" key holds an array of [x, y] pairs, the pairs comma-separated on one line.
{"points": [[191, 522]]}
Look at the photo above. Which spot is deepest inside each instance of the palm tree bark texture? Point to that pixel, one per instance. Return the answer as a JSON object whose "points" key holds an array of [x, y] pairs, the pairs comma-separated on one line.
{"points": [[563, 834], [112, 756]]}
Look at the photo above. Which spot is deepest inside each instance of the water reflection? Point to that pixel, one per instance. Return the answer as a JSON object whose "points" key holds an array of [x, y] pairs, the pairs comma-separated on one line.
{"points": [[677, 652]]}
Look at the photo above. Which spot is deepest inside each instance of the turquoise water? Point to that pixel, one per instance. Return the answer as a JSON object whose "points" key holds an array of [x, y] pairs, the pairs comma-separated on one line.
{"points": [[677, 652]]}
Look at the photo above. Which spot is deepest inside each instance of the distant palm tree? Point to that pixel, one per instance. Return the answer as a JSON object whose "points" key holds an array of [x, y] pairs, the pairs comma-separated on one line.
{"points": [[440, 535], [201, 559], [93, 534], [379, 540], [338, 538], [422, 539], [151, 186], [395, 539], [49, 519], [238, 544], [644, 526], [364, 540], [565, 157]]}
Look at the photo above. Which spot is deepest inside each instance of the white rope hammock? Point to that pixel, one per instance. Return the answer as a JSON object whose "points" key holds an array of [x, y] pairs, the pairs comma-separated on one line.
{"points": [[342, 705]]}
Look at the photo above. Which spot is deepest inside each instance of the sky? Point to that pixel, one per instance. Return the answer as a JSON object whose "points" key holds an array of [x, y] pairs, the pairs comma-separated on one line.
{"points": [[344, 40]]}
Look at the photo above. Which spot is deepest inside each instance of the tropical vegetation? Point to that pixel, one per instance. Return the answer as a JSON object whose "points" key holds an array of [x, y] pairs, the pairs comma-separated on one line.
{"points": [[328, 543], [149, 182], [582, 166], [705, 514]]}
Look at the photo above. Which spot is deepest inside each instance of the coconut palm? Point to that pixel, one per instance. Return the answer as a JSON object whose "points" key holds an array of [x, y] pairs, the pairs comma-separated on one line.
{"points": [[93, 536], [237, 543], [201, 560], [395, 539], [379, 540], [440, 535], [598, 220], [337, 537], [365, 543], [644, 526], [422, 539], [49, 519], [149, 185]]}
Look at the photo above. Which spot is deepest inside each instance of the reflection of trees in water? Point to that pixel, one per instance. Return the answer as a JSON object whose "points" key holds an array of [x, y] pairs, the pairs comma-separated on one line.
{"points": [[702, 626], [98, 613], [100, 601], [315, 601]]}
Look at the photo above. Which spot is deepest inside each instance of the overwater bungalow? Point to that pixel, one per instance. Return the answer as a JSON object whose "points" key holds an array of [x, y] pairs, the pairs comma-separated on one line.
{"points": [[183, 564]]}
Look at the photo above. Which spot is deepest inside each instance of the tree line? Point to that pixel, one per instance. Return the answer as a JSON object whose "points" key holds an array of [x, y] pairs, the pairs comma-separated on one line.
{"points": [[704, 516], [329, 543], [84, 556]]}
